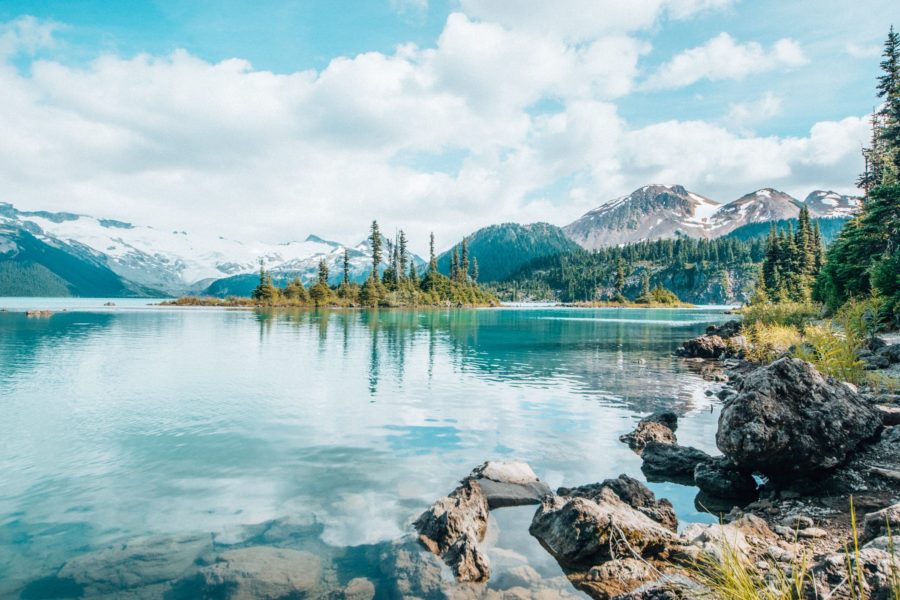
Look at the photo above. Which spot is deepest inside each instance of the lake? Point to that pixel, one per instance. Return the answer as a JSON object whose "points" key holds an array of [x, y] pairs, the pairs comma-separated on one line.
{"points": [[133, 421]]}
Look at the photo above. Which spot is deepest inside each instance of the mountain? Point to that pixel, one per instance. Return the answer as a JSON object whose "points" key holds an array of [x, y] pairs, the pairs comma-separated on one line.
{"points": [[151, 261], [650, 213], [502, 249], [664, 212], [831, 204], [32, 265]]}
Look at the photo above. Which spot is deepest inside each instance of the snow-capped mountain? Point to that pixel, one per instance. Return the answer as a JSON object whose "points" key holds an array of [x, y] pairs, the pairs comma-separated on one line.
{"points": [[649, 213], [760, 206], [174, 262], [668, 211], [831, 204]]}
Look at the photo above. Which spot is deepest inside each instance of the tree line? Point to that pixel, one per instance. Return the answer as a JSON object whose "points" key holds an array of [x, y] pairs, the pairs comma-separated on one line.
{"points": [[393, 280]]}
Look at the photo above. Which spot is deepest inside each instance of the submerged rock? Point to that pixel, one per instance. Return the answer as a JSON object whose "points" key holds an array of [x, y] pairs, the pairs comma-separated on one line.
{"points": [[453, 527], [787, 420], [258, 572], [509, 483]]}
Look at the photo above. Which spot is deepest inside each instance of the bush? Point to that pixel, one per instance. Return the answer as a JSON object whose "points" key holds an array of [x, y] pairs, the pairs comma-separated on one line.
{"points": [[832, 354], [794, 314], [767, 342]]}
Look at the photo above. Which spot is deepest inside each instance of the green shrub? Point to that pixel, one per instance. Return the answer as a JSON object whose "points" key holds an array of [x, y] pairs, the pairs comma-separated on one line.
{"points": [[793, 314]]}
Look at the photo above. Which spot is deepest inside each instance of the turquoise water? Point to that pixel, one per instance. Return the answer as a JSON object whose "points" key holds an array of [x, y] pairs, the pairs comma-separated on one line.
{"points": [[130, 421]]}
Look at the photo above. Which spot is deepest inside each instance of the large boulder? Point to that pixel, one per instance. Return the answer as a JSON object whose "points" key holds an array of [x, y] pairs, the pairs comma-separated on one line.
{"points": [[582, 533], [454, 526], [509, 483], [257, 572], [633, 493], [671, 461], [787, 420], [720, 478]]}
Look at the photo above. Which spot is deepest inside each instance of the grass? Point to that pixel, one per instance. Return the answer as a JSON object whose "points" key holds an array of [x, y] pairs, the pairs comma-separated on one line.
{"points": [[768, 341], [792, 314]]}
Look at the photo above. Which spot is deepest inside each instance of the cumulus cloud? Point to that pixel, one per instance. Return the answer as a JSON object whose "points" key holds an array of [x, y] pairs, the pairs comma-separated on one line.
{"points": [[179, 142], [857, 51], [723, 57], [26, 34], [743, 114]]}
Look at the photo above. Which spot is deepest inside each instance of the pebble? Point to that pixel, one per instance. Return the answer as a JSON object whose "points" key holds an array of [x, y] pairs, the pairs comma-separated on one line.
{"points": [[797, 522], [785, 532], [813, 532]]}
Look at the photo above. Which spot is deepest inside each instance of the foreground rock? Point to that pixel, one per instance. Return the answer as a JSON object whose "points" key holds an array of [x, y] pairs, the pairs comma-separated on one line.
{"points": [[787, 421], [704, 346], [648, 432], [633, 493], [509, 483], [453, 528], [604, 545]]}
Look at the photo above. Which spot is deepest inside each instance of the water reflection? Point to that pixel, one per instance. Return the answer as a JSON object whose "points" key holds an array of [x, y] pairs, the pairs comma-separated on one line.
{"points": [[168, 421]]}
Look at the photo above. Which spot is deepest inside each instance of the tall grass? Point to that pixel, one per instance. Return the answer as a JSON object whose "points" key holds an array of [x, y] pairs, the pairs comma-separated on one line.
{"points": [[793, 314], [832, 354], [768, 341]]}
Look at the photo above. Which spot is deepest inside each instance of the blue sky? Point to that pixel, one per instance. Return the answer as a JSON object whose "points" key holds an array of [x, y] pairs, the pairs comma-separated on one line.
{"points": [[427, 114]]}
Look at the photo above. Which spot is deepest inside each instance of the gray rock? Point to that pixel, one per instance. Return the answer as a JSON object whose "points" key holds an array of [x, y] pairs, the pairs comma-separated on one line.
{"points": [[257, 572], [359, 588], [647, 432], [795, 522], [721, 478], [891, 353], [875, 524], [788, 421], [137, 563], [633, 493], [890, 415], [409, 573], [582, 533], [876, 566], [663, 417], [812, 533], [725, 330], [509, 483], [704, 346], [672, 460], [452, 529]]}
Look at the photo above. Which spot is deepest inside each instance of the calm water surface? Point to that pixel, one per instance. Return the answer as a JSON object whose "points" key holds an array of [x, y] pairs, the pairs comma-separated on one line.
{"points": [[128, 421]]}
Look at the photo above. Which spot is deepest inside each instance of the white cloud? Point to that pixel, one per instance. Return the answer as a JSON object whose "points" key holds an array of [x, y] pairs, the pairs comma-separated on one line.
{"points": [[857, 51], [179, 142], [26, 34], [743, 114], [410, 9], [724, 58]]}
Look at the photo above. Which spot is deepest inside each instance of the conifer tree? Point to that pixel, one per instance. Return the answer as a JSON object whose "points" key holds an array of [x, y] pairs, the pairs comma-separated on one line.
{"points": [[323, 272], [888, 89], [432, 259], [403, 259], [375, 240], [346, 279], [620, 277], [474, 269], [454, 265], [645, 283], [464, 261]]}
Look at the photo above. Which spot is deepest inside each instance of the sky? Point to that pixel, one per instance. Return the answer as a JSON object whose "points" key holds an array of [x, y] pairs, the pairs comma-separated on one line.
{"points": [[272, 120]]}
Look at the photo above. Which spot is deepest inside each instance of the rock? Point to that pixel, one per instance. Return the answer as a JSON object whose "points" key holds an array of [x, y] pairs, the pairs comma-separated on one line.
{"points": [[582, 533], [509, 483], [737, 536], [890, 415], [633, 493], [875, 524], [409, 572], [872, 362], [725, 330], [663, 417], [38, 313], [136, 563], [721, 478], [672, 460], [452, 528], [359, 588], [888, 544], [788, 421], [812, 533], [260, 572], [704, 346], [891, 353], [795, 522], [647, 432], [876, 566]]}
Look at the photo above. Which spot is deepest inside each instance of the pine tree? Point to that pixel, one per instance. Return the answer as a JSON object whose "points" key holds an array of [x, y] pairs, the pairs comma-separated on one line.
{"points": [[464, 261], [295, 291], [474, 270], [375, 240], [264, 291], [346, 279], [323, 272], [403, 259], [620, 277], [888, 89], [432, 259], [645, 283], [454, 265], [760, 294]]}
